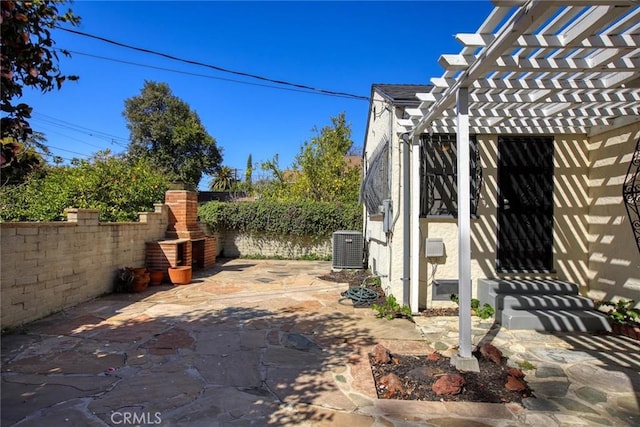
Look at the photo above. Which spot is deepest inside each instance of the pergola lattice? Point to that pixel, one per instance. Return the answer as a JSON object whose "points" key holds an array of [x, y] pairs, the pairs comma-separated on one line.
{"points": [[538, 67]]}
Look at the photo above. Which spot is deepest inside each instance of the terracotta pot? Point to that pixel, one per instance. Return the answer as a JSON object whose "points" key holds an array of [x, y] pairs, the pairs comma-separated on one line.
{"points": [[140, 284], [140, 280], [180, 275], [156, 277], [139, 271]]}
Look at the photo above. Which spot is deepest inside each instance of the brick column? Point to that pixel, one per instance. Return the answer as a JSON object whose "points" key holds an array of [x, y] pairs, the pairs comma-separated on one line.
{"points": [[183, 215], [210, 250]]}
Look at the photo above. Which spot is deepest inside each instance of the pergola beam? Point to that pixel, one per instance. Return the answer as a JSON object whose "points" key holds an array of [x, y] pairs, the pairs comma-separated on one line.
{"points": [[539, 41], [541, 67], [525, 17]]}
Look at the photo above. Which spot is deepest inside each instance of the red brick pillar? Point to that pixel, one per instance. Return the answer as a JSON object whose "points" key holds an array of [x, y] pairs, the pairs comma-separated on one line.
{"points": [[183, 215], [210, 251]]}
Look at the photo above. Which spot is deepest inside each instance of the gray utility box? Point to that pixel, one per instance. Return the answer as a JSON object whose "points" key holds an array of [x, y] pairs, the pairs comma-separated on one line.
{"points": [[434, 247], [443, 288]]}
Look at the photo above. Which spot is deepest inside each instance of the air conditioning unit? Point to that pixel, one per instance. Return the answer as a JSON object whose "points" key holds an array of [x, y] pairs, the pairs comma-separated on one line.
{"points": [[348, 249]]}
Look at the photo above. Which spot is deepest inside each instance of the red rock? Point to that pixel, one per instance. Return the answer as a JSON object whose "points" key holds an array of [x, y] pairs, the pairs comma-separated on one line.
{"points": [[491, 352], [514, 384], [448, 384], [392, 383], [381, 354], [433, 357], [515, 372]]}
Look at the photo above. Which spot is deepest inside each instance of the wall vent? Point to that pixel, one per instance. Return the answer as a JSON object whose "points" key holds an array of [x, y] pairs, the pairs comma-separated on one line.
{"points": [[348, 249]]}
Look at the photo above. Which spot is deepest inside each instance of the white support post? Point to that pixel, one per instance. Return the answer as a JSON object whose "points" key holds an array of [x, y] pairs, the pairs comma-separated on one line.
{"points": [[415, 224], [406, 220], [464, 360]]}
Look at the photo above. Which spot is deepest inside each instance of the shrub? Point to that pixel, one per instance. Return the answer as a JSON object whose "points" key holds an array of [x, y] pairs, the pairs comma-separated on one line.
{"points": [[392, 309], [117, 188], [484, 312], [266, 217], [621, 311]]}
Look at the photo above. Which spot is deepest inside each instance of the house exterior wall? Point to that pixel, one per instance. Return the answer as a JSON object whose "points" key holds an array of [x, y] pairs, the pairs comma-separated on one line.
{"points": [[570, 223], [614, 260], [584, 213], [384, 250], [49, 266]]}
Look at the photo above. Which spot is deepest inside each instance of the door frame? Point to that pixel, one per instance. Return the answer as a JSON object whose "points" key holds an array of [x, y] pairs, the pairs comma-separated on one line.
{"points": [[546, 259]]}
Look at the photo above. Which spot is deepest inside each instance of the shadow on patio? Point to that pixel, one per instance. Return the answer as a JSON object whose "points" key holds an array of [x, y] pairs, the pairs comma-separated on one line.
{"points": [[240, 345]]}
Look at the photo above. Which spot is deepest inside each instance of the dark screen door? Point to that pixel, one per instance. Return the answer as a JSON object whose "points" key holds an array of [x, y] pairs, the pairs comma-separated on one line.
{"points": [[525, 204]]}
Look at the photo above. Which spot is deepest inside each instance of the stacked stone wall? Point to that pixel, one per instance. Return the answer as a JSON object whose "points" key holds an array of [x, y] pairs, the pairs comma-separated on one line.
{"points": [[231, 244]]}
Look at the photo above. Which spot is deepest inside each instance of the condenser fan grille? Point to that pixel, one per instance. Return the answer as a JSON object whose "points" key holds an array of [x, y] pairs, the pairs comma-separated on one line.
{"points": [[348, 249]]}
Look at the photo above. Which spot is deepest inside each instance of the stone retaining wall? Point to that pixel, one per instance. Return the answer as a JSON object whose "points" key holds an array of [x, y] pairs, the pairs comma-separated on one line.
{"points": [[232, 244]]}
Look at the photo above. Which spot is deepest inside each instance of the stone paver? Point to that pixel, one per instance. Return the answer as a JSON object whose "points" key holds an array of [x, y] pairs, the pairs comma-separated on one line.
{"points": [[268, 343]]}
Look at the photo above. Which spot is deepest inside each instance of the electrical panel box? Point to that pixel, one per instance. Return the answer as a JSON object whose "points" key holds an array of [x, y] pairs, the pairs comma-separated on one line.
{"points": [[434, 247], [387, 211]]}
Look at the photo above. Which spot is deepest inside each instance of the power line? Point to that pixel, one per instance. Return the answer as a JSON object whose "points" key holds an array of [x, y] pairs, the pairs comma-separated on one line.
{"points": [[155, 67], [113, 139], [215, 67], [53, 156], [69, 151], [49, 131]]}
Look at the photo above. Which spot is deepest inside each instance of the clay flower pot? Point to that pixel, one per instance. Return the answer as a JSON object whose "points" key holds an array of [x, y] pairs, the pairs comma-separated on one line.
{"points": [[140, 280], [156, 277], [180, 275]]}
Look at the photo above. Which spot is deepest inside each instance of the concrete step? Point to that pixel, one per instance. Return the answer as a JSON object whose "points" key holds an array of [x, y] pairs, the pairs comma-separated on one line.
{"points": [[523, 286], [540, 302], [555, 320], [541, 305]]}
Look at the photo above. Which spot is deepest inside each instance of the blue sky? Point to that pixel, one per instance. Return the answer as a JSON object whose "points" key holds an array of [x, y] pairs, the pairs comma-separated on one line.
{"points": [[337, 46]]}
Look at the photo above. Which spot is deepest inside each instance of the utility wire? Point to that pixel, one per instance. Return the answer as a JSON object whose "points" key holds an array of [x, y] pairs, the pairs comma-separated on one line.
{"points": [[69, 151], [215, 67], [116, 140], [69, 124], [155, 67], [54, 156]]}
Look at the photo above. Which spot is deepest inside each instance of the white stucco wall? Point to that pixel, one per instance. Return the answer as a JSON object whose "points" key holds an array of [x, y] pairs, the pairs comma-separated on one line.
{"points": [[614, 260], [385, 249], [593, 244], [571, 205]]}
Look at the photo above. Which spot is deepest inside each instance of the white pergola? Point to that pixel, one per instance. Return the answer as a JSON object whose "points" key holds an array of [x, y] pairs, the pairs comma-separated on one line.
{"points": [[533, 67]]}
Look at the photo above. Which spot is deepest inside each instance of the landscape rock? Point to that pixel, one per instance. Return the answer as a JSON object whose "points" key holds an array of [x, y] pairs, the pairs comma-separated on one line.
{"points": [[392, 383], [514, 384], [491, 352], [381, 354], [434, 357], [448, 385], [515, 372]]}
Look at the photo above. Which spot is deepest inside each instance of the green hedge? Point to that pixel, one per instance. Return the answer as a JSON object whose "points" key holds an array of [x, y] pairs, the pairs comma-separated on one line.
{"points": [[302, 218]]}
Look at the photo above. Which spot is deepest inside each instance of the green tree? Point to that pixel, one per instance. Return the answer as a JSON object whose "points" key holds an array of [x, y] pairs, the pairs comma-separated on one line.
{"points": [[275, 186], [27, 160], [119, 188], [224, 180], [321, 171], [248, 173], [28, 59], [167, 132]]}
